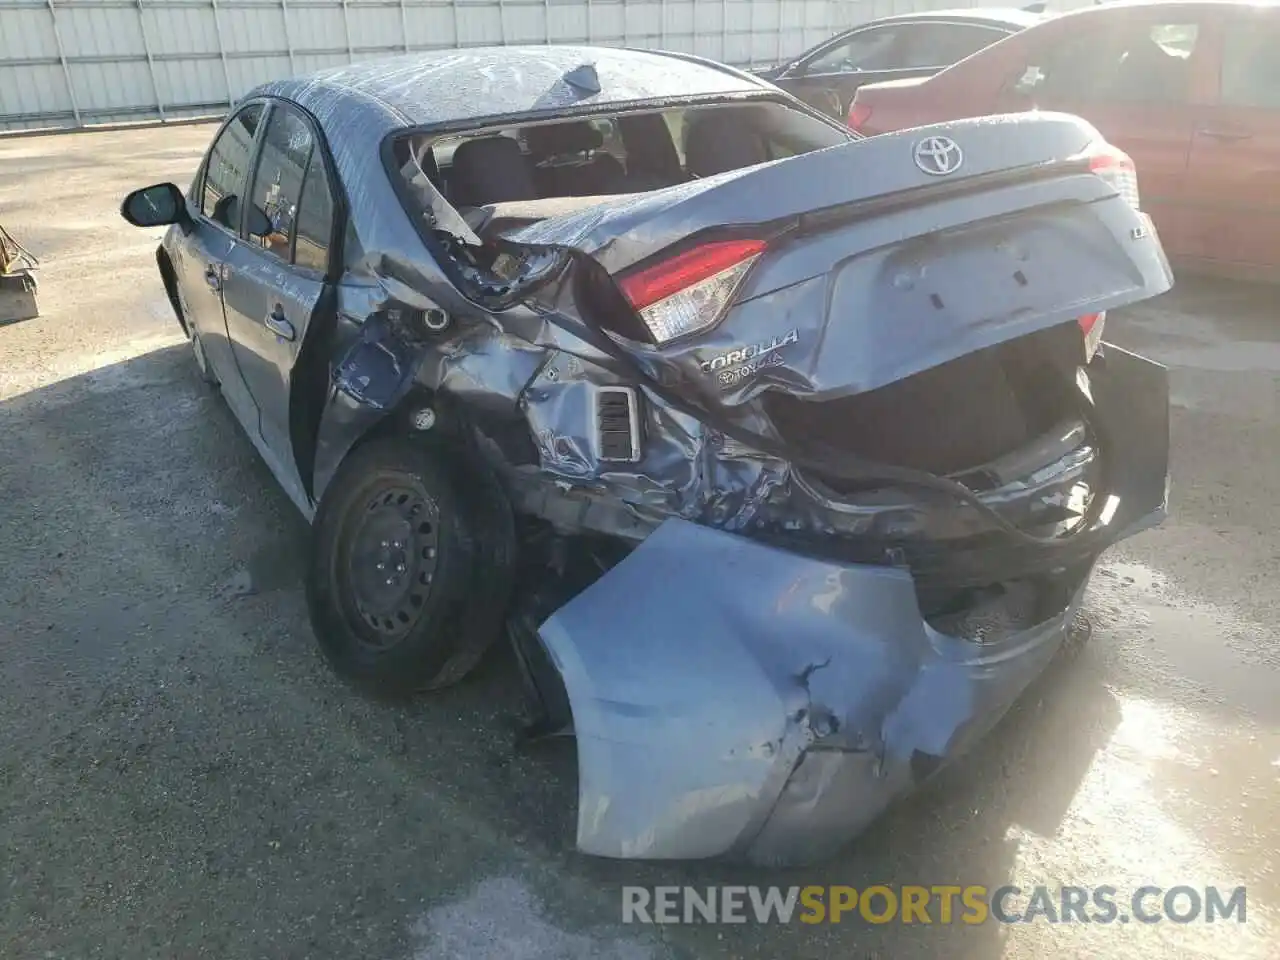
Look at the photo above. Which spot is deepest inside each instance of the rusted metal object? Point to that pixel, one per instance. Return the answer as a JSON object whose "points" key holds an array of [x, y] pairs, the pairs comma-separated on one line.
{"points": [[17, 280]]}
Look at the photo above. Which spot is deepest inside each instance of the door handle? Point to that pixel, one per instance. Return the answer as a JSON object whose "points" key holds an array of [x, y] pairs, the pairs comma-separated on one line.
{"points": [[278, 324], [213, 277], [1219, 133]]}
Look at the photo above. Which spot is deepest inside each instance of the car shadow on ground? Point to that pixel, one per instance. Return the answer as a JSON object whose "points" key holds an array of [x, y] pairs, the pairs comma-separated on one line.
{"points": [[171, 479]]}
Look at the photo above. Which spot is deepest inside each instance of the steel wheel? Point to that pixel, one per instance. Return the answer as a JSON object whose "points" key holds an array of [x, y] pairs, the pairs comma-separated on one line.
{"points": [[389, 564], [411, 568]]}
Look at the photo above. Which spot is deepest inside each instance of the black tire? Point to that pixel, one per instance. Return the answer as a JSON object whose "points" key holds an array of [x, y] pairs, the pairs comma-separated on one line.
{"points": [[446, 565]]}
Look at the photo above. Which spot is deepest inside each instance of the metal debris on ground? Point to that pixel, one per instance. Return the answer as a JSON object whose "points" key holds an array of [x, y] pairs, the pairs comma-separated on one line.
{"points": [[17, 280]]}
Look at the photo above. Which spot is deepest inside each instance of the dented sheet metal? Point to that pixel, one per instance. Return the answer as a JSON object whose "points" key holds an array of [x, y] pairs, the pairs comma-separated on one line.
{"points": [[730, 698], [733, 698]]}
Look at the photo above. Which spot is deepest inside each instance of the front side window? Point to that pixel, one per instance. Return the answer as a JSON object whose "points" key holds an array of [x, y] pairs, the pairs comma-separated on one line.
{"points": [[1131, 63], [227, 167], [868, 50], [1251, 65], [277, 183]]}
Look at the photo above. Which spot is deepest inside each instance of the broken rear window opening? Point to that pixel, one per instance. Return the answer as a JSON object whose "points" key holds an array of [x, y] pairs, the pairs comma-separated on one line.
{"points": [[471, 190]]}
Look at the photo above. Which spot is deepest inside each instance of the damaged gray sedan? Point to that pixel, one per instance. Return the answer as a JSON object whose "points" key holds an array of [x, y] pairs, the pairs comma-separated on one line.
{"points": [[780, 456]]}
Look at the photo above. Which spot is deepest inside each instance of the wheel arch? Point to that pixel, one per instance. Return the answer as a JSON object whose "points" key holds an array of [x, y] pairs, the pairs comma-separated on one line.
{"points": [[169, 276], [347, 424]]}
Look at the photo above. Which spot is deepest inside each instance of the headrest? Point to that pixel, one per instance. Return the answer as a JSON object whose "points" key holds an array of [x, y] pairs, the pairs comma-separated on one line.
{"points": [[721, 140], [561, 138], [489, 170]]}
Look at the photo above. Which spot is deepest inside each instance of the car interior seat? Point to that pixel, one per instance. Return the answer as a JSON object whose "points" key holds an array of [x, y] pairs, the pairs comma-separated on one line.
{"points": [[490, 170], [570, 162], [652, 161], [717, 141]]}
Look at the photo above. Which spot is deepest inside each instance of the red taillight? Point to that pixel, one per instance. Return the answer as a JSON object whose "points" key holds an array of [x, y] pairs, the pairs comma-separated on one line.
{"points": [[686, 269], [1116, 167], [1091, 325], [859, 114], [688, 292]]}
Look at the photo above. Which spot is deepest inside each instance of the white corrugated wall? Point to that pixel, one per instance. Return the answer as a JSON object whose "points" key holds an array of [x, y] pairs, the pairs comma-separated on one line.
{"points": [[66, 63]]}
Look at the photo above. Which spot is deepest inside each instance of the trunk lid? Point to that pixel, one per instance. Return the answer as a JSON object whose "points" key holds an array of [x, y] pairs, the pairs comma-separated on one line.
{"points": [[876, 270]]}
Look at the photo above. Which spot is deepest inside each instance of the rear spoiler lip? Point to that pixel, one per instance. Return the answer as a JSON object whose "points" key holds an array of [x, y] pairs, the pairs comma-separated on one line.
{"points": [[943, 190]]}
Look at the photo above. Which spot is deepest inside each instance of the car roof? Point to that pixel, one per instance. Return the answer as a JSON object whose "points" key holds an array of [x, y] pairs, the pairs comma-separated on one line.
{"points": [[1011, 17], [1109, 8], [443, 88]]}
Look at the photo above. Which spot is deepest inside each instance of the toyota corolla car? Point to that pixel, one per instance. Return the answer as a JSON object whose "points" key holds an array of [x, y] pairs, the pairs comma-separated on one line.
{"points": [[782, 457]]}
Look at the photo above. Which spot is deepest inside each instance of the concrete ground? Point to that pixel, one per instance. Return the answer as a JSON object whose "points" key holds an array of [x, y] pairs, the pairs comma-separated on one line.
{"points": [[180, 776]]}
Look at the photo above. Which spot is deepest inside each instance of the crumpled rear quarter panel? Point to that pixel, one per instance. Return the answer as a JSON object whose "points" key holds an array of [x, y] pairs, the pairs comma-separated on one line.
{"points": [[732, 698]]}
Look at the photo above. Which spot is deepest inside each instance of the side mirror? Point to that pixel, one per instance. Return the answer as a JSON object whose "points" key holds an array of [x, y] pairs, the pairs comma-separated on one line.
{"points": [[796, 68], [155, 206]]}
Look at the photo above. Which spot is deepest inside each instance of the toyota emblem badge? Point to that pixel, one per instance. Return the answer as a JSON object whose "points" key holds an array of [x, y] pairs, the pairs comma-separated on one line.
{"points": [[938, 156]]}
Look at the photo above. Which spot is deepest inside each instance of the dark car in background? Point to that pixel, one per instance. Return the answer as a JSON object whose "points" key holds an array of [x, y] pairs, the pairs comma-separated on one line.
{"points": [[1190, 90], [905, 45]]}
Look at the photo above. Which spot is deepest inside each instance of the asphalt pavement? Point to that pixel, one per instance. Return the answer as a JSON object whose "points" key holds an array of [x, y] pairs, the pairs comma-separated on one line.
{"points": [[181, 776]]}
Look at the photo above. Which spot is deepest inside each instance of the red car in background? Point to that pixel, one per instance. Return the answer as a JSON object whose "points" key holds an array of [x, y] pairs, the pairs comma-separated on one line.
{"points": [[1190, 90]]}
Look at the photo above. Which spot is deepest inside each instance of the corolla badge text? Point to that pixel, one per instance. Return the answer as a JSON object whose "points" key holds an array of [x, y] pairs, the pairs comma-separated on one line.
{"points": [[752, 351]]}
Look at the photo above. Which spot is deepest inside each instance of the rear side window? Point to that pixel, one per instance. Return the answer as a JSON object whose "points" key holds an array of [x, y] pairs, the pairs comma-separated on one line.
{"points": [[228, 167], [942, 44], [315, 218], [1131, 63], [277, 183], [873, 49], [1251, 65]]}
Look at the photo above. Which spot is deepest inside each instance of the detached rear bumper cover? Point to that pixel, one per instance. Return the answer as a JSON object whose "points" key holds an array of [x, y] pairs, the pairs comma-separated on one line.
{"points": [[732, 698]]}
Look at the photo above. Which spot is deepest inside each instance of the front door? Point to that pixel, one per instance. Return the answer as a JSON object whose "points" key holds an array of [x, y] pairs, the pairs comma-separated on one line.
{"points": [[1141, 80], [202, 255], [275, 283], [1235, 151]]}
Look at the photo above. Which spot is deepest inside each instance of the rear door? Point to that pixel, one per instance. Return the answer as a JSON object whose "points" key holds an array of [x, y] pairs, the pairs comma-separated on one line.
{"points": [[1235, 151], [1141, 77], [275, 284], [215, 201]]}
